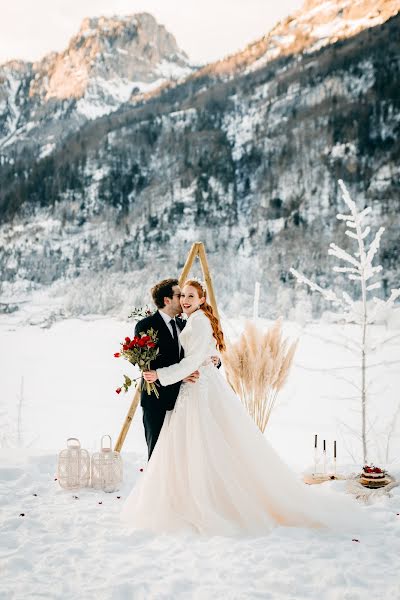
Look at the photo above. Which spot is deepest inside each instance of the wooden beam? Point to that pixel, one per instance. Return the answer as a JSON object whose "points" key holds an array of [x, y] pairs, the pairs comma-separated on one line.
{"points": [[207, 278], [128, 420], [189, 262]]}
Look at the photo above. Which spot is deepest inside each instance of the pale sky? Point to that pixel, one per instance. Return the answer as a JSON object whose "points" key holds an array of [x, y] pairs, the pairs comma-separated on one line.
{"points": [[206, 29]]}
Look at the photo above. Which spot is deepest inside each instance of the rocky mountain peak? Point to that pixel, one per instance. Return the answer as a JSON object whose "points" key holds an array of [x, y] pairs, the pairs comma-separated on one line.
{"points": [[108, 62], [113, 55]]}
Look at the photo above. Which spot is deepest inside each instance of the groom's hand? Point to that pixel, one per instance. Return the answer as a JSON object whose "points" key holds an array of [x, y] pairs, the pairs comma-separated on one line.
{"points": [[150, 376], [192, 378]]}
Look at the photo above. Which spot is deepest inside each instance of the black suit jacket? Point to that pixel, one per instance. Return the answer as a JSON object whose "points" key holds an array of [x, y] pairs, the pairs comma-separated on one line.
{"points": [[167, 356]]}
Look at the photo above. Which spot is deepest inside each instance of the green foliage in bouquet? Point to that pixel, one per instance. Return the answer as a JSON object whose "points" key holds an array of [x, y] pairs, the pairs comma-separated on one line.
{"points": [[140, 312]]}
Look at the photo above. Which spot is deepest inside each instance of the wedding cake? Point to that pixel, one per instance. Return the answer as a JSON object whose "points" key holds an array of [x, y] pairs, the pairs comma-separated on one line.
{"points": [[373, 476]]}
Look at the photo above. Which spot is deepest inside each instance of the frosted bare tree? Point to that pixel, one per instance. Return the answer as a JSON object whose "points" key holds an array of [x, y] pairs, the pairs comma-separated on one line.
{"points": [[359, 268]]}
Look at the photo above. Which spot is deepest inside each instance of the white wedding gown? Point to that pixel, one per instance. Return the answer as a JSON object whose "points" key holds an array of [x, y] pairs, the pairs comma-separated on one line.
{"points": [[212, 470]]}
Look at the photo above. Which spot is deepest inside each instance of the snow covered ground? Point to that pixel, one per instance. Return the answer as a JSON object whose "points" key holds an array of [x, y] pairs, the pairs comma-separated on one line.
{"points": [[59, 382]]}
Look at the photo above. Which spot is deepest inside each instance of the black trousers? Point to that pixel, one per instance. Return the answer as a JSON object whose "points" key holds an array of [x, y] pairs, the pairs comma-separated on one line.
{"points": [[153, 419]]}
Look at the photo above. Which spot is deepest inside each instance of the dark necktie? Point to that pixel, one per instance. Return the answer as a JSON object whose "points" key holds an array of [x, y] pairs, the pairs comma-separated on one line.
{"points": [[175, 334]]}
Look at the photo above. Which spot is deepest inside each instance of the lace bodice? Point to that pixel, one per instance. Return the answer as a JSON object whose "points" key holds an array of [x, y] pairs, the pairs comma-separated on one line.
{"points": [[199, 344]]}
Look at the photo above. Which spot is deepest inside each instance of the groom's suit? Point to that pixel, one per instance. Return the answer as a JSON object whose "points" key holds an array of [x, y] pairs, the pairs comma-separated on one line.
{"points": [[154, 408]]}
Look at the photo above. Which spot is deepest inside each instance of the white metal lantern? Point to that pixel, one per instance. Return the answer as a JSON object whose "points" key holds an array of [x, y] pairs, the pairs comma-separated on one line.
{"points": [[106, 468], [73, 470]]}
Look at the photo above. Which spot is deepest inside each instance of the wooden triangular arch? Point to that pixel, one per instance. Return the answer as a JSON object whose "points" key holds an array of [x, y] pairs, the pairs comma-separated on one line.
{"points": [[197, 250]]}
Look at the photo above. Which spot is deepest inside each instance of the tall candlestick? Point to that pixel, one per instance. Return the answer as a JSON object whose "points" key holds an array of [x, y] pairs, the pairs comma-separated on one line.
{"points": [[334, 456], [315, 454]]}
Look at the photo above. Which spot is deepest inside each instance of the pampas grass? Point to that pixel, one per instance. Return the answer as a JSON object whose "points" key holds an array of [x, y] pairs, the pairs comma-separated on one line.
{"points": [[257, 367]]}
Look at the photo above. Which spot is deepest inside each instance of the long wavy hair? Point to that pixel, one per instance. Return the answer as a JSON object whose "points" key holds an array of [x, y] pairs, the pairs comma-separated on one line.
{"points": [[209, 312]]}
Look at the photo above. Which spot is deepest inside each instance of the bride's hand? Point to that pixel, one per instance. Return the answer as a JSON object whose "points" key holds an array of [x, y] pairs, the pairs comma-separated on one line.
{"points": [[150, 376], [192, 378]]}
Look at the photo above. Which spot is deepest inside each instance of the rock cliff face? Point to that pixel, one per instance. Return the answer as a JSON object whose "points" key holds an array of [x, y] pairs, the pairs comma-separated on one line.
{"points": [[108, 62], [246, 162]]}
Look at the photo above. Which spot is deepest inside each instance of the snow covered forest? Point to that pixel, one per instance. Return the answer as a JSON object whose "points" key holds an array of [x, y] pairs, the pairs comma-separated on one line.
{"points": [[243, 154]]}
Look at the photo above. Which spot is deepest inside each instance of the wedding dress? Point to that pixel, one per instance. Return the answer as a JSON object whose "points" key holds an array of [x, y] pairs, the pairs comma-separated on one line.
{"points": [[212, 470]]}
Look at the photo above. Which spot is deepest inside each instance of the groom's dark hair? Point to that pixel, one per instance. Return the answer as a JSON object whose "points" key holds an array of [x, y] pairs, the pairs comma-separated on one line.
{"points": [[162, 290]]}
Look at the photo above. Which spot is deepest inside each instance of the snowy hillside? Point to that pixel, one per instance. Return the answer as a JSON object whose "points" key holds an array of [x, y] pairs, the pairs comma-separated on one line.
{"points": [[248, 164]]}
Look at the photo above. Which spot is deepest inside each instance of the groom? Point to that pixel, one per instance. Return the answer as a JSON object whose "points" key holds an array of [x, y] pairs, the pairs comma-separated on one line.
{"points": [[166, 296]]}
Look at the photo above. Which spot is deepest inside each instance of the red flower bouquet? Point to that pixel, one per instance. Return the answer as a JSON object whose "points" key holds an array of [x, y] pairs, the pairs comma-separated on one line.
{"points": [[139, 351]]}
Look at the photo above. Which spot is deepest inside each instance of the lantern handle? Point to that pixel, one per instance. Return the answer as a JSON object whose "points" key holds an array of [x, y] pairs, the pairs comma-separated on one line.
{"points": [[72, 439], [102, 447]]}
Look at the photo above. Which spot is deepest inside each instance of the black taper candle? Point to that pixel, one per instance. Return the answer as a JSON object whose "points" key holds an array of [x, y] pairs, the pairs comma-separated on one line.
{"points": [[334, 449], [324, 445], [315, 440]]}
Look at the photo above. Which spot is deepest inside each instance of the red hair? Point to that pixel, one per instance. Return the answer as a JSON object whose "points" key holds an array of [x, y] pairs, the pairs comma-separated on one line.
{"points": [[209, 312]]}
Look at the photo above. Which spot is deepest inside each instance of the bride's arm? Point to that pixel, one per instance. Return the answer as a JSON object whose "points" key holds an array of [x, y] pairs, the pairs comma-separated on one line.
{"points": [[198, 349]]}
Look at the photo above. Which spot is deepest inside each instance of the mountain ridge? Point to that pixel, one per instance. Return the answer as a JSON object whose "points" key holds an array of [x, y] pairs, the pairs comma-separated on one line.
{"points": [[249, 165], [303, 31]]}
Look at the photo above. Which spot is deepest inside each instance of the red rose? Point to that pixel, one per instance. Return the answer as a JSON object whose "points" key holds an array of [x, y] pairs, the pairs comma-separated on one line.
{"points": [[141, 343], [146, 338], [118, 390], [151, 345], [132, 344], [125, 347], [117, 355], [127, 340]]}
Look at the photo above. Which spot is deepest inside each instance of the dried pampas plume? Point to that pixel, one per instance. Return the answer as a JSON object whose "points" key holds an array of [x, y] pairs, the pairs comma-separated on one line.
{"points": [[257, 367]]}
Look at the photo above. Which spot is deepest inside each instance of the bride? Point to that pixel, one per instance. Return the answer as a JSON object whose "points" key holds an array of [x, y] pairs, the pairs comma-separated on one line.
{"points": [[212, 470]]}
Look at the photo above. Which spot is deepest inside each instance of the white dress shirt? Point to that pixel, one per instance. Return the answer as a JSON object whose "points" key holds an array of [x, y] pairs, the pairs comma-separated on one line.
{"points": [[167, 320]]}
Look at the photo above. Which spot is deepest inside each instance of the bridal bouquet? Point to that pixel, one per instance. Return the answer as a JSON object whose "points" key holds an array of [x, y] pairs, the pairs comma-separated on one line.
{"points": [[139, 351]]}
